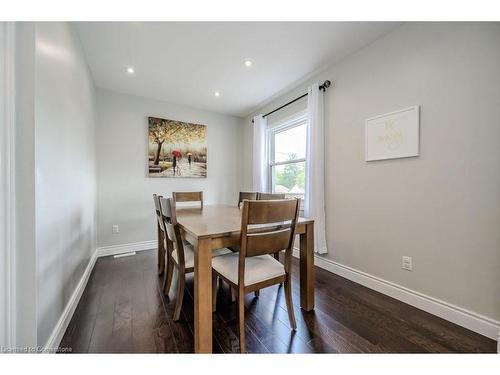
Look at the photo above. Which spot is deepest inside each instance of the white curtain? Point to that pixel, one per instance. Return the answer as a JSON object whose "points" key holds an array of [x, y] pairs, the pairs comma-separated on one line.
{"points": [[259, 154], [314, 206]]}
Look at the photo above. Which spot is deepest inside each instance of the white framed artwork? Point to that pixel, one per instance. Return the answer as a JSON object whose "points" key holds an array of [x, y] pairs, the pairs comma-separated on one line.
{"points": [[392, 135]]}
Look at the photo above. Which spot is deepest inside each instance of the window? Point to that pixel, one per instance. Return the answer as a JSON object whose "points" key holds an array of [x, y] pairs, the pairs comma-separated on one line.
{"points": [[287, 157]]}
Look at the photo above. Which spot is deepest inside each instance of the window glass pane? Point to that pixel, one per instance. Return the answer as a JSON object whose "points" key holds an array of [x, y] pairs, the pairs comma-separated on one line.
{"points": [[290, 144], [289, 179]]}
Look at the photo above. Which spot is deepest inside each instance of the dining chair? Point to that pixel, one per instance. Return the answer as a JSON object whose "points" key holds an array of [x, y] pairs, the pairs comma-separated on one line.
{"points": [[246, 195], [266, 228], [160, 235], [270, 196], [235, 248], [188, 196], [179, 253]]}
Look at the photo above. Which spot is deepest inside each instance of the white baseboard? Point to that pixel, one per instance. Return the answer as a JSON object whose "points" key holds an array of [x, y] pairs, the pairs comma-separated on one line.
{"points": [[475, 322], [126, 248], [61, 326]]}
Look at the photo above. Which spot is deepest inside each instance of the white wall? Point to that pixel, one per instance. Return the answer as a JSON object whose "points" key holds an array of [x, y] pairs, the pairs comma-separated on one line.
{"points": [[5, 302], [25, 288], [443, 207], [65, 170], [125, 192]]}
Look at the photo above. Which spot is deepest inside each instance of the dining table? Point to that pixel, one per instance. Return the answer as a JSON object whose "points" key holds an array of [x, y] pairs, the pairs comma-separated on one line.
{"points": [[216, 226]]}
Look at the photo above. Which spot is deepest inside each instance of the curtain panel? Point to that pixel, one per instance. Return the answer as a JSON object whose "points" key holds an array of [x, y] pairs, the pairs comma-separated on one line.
{"points": [[314, 205], [259, 154]]}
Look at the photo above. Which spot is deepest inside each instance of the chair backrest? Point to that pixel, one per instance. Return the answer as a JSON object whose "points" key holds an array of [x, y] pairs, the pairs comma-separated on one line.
{"points": [[156, 199], [246, 195], [167, 209], [188, 196], [270, 196], [266, 228]]}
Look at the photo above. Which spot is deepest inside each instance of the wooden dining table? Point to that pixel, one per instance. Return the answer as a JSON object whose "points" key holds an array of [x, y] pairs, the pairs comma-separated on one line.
{"points": [[216, 226]]}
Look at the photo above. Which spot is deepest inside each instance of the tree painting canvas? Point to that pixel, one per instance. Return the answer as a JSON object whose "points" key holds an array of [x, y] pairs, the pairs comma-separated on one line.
{"points": [[177, 149]]}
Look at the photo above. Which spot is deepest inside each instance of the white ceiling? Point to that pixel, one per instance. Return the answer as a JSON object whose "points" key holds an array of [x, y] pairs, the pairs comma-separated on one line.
{"points": [[186, 63]]}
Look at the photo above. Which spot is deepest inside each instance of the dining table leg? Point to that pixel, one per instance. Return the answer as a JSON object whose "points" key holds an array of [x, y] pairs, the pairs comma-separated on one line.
{"points": [[203, 296], [307, 268]]}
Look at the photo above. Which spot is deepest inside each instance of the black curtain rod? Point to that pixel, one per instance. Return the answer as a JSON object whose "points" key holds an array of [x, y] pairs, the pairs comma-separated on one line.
{"points": [[322, 87]]}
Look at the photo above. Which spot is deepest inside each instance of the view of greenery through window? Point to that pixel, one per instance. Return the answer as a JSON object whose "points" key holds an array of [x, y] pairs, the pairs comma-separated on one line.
{"points": [[290, 178], [290, 152]]}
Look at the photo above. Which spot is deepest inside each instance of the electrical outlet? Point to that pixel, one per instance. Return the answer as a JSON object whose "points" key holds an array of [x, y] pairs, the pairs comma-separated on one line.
{"points": [[116, 229], [407, 263]]}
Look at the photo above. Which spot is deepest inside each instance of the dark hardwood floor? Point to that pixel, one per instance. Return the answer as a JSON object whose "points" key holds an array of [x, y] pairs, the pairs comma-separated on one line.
{"points": [[123, 310]]}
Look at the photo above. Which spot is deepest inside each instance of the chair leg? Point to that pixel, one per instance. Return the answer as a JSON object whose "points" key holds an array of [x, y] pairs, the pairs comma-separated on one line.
{"points": [[161, 254], [289, 304], [180, 296], [256, 293], [241, 320], [214, 291], [168, 276]]}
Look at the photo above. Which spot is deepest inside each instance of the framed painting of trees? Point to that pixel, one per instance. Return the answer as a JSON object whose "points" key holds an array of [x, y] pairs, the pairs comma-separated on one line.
{"points": [[176, 149]]}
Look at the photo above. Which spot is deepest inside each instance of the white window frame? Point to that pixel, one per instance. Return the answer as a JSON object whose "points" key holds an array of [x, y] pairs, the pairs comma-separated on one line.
{"points": [[297, 119]]}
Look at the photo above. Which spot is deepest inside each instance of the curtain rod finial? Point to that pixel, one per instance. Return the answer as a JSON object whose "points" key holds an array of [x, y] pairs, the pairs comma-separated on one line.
{"points": [[325, 85]]}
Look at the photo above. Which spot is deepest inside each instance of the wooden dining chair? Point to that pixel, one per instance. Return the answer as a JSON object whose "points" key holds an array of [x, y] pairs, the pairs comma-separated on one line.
{"points": [[270, 196], [266, 228], [246, 195], [160, 230], [188, 196], [235, 248], [179, 253]]}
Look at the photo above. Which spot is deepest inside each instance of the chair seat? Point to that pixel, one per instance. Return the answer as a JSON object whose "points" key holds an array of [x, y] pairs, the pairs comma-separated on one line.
{"points": [[189, 254], [257, 269]]}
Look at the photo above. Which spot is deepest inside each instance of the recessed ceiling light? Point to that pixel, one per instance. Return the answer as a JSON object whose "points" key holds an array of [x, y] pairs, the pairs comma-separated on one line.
{"points": [[248, 63], [130, 70], [217, 93]]}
